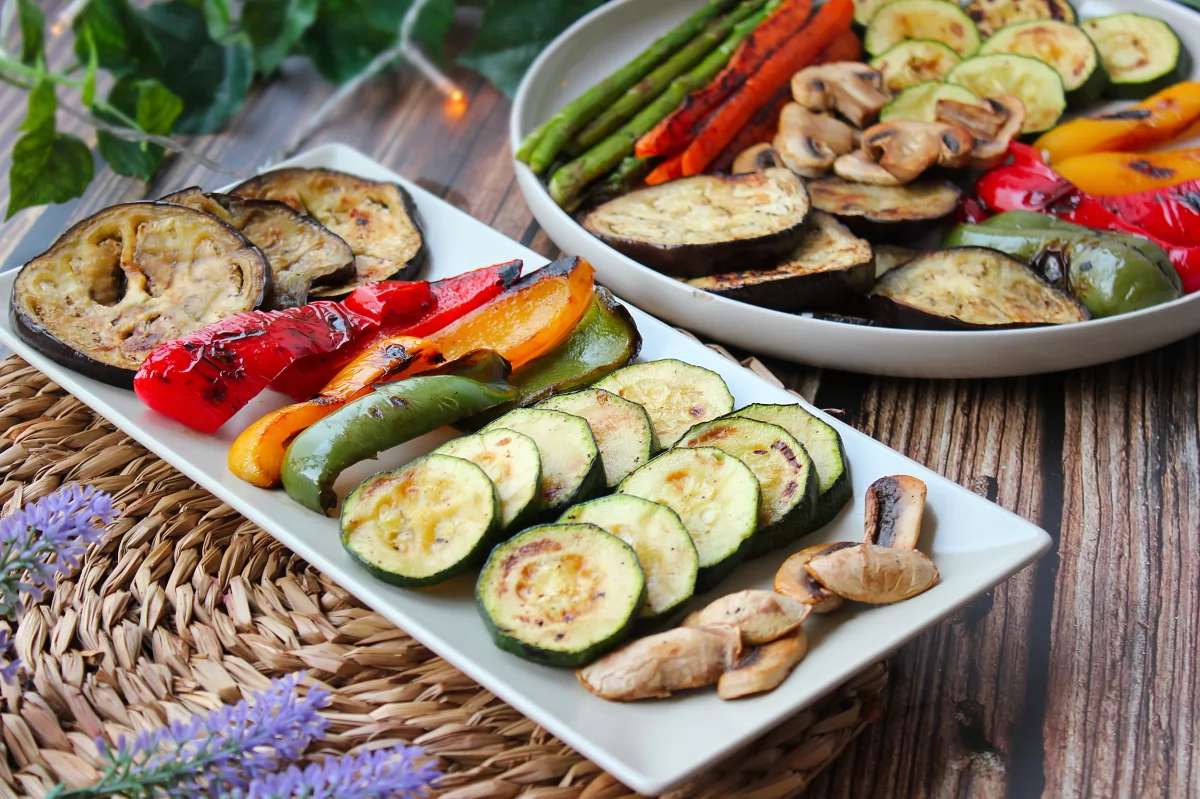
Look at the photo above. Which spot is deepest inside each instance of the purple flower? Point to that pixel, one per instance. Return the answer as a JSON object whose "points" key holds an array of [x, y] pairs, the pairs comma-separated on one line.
{"points": [[218, 752], [383, 774], [8, 668], [46, 539]]}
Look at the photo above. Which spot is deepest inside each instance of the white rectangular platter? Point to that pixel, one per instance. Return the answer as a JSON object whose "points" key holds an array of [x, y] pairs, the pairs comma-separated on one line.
{"points": [[650, 746]]}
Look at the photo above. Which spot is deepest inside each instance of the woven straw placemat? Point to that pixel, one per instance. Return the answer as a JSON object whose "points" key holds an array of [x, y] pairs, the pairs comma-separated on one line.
{"points": [[186, 605]]}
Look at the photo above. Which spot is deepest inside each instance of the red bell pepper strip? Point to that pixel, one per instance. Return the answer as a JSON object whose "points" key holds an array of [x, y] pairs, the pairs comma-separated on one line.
{"points": [[829, 21], [204, 378], [1171, 214], [1029, 184], [453, 298], [675, 132]]}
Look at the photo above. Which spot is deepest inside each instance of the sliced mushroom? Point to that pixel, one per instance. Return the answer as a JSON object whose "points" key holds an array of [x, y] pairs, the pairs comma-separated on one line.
{"points": [[906, 148], [983, 120], [852, 89], [875, 575], [756, 159], [762, 616], [895, 506], [763, 668], [793, 580], [957, 145], [809, 143], [856, 168], [654, 666], [991, 153]]}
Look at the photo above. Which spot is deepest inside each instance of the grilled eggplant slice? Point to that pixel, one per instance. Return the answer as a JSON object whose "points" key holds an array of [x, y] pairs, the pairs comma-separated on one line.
{"points": [[300, 250], [970, 288], [121, 282], [377, 219], [702, 225], [885, 213], [831, 268]]}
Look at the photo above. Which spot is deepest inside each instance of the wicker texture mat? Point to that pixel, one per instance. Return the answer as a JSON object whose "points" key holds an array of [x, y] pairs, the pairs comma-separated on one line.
{"points": [[186, 605]]}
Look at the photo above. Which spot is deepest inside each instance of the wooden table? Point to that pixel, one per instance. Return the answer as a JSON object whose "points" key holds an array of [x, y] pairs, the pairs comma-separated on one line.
{"points": [[1078, 677]]}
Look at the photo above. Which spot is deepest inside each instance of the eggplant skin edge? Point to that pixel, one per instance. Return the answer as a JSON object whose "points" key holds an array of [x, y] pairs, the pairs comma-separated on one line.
{"points": [[39, 337], [881, 227], [686, 261], [894, 312]]}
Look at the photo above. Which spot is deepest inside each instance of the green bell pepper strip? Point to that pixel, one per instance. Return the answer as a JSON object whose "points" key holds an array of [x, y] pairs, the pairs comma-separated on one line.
{"points": [[387, 417], [1108, 274]]}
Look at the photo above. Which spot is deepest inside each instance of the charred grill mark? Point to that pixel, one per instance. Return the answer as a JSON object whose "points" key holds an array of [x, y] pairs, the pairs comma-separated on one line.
{"points": [[1189, 198], [1128, 113], [788, 453], [1144, 167]]}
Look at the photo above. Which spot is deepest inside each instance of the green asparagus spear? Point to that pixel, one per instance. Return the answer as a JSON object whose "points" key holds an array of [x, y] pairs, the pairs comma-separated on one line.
{"points": [[620, 181], [562, 126], [570, 179], [657, 81]]}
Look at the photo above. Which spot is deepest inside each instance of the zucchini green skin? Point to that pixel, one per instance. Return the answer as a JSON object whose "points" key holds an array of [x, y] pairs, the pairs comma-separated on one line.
{"points": [[473, 558], [833, 492], [591, 404], [549, 657], [1128, 90], [529, 512], [1092, 87], [387, 417]]}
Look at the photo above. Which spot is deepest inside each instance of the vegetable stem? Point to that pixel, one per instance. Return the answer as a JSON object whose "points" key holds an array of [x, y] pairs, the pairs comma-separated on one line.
{"points": [[558, 130]]}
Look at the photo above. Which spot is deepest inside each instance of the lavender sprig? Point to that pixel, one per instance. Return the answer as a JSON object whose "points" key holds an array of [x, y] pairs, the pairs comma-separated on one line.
{"points": [[211, 755], [46, 539], [383, 774]]}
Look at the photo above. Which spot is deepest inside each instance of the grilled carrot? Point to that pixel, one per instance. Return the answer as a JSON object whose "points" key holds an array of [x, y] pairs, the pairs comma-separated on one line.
{"points": [[668, 170]]}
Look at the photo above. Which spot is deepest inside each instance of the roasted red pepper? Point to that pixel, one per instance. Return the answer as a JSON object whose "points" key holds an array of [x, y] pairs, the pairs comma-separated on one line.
{"points": [[1169, 214], [453, 298], [204, 378], [1029, 184]]}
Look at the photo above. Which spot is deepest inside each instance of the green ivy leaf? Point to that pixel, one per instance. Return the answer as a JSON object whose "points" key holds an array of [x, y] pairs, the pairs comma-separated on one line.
{"points": [[512, 34], [218, 18], [47, 166], [122, 40], [87, 94], [275, 27], [155, 108], [348, 34], [33, 36]]}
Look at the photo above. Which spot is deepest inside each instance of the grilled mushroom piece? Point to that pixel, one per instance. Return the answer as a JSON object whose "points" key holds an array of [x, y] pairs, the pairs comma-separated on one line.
{"points": [[762, 616], [857, 168], [906, 148], [993, 126], [853, 89], [657, 665], [894, 509], [809, 143], [758, 158], [873, 574], [300, 250], [131, 277], [793, 580], [377, 219], [763, 668]]}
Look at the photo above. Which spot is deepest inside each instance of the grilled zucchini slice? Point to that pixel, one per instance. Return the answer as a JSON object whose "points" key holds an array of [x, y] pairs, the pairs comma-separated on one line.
{"points": [[865, 9], [512, 462], [937, 20], [1034, 82], [716, 496], [784, 471], [970, 288], [915, 61], [830, 269], [823, 445], [664, 549], [1142, 55], [377, 219], [561, 594], [424, 523], [1061, 45], [621, 428], [992, 15], [571, 467], [920, 102], [676, 395]]}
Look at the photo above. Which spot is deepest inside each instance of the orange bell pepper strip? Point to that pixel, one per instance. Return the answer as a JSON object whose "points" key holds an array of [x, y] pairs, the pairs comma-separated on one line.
{"points": [[528, 320], [1128, 173], [1156, 120], [829, 22], [257, 454]]}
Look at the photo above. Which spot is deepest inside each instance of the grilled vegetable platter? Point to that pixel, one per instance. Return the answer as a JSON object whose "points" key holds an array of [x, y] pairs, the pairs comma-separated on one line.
{"points": [[923, 164]]}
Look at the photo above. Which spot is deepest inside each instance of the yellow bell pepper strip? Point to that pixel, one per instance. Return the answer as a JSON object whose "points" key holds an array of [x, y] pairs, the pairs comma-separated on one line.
{"points": [[257, 454], [1156, 120], [1127, 173], [526, 321]]}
